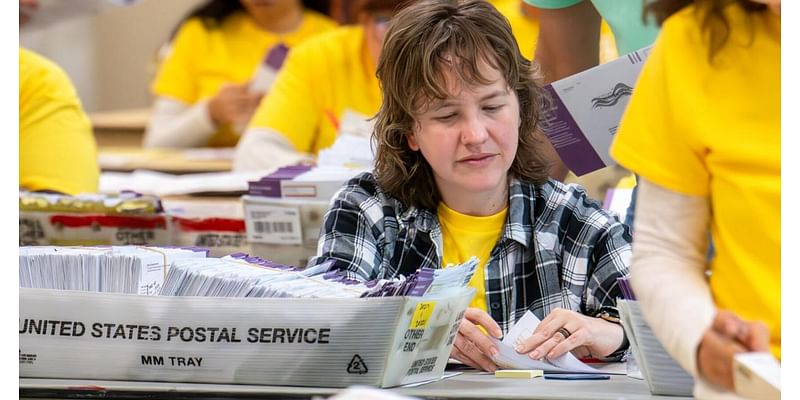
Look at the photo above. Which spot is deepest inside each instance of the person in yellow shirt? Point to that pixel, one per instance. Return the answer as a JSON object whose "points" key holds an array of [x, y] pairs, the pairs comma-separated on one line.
{"points": [[223, 58], [57, 150], [323, 80], [524, 21], [702, 129]]}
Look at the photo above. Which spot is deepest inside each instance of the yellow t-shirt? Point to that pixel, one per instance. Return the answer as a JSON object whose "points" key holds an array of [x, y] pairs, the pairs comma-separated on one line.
{"points": [[524, 27], [464, 236], [57, 150], [321, 79], [714, 130], [201, 60]]}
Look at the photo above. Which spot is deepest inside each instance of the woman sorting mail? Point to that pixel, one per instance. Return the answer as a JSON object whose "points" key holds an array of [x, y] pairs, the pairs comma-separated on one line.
{"points": [[459, 173]]}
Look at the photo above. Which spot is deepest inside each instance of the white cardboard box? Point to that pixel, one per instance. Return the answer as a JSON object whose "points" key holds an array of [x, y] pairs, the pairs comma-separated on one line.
{"points": [[300, 342], [283, 221], [221, 236], [67, 229]]}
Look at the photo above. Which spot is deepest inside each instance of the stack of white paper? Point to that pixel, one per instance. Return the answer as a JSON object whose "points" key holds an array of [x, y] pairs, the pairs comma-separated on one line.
{"points": [[163, 184], [239, 275], [757, 375], [119, 269], [662, 373], [353, 146], [228, 277]]}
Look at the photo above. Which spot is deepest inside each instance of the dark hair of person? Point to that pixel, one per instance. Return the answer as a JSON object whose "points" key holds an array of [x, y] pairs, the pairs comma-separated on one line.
{"points": [[711, 13], [424, 41], [214, 12]]}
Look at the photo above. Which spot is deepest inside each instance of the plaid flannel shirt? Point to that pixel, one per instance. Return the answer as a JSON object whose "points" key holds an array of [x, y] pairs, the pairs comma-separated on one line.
{"points": [[559, 248]]}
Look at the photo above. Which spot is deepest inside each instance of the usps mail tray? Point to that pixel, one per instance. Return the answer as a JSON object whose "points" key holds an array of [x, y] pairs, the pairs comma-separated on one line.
{"points": [[381, 342]]}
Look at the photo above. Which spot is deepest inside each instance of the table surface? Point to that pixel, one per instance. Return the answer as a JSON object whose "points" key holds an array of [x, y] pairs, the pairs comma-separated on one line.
{"points": [[120, 127], [133, 119], [470, 385], [165, 160]]}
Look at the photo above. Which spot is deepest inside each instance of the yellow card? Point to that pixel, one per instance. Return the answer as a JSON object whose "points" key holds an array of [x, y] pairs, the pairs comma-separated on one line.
{"points": [[421, 315]]}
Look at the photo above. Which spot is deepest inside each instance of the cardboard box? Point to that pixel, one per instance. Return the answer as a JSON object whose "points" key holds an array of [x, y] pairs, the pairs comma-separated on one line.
{"points": [[221, 236], [283, 230], [283, 221], [382, 342], [67, 229]]}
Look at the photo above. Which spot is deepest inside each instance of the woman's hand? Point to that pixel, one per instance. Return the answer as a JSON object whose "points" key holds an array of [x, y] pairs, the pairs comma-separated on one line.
{"points": [[727, 336], [233, 104], [565, 330], [472, 346]]}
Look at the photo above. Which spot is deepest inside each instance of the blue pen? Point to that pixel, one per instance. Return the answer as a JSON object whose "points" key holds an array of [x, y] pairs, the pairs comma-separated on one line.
{"points": [[577, 377]]}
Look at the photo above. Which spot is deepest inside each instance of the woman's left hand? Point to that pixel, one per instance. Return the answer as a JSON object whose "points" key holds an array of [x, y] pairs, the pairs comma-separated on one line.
{"points": [[565, 330]]}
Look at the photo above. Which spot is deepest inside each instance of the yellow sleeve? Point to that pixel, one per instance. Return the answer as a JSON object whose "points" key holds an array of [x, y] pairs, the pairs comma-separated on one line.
{"points": [[653, 139], [177, 75], [57, 150], [290, 108]]}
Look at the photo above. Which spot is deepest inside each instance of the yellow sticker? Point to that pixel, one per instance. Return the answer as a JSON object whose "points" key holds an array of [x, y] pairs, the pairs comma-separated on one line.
{"points": [[422, 315]]}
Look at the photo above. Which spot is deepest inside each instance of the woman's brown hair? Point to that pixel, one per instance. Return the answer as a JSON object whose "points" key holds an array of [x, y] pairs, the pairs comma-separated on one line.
{"points": [[711, 13], [422, 42]]}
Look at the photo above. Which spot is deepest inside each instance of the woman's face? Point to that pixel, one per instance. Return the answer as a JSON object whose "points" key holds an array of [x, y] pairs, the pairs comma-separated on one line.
{"points": [[470, 138]]}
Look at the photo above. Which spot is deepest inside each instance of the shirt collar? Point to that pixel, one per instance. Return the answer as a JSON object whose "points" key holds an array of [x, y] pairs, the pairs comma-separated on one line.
{"points": [[519, 223]]}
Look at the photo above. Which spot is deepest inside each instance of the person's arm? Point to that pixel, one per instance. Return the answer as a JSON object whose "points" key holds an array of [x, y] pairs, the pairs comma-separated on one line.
{"points": [[568, 40], [568, 43], [668, 272], [177, 124], [669, 278], [264, 149]]}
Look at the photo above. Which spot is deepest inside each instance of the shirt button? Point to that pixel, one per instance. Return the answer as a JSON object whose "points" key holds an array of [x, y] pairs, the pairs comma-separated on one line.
{"points": [[495, 306]]}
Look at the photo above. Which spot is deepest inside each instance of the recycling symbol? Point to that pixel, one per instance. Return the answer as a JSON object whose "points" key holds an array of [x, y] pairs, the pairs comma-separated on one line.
{"points": [[357, 366]]}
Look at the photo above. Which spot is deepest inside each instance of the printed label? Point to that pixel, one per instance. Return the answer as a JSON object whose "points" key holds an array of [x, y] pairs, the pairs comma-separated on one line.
{"points": [[273, 224], [421, 315]]}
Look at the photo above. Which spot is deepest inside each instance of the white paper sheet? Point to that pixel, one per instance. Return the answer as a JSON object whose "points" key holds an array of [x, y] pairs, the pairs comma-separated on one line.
{"points": [[509, 358]]}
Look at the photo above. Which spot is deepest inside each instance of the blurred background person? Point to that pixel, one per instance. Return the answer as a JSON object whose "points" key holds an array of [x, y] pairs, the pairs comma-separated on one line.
{"points": [[57, 150], [322, 80], [220, 63], [703, 131], [524, 21]]}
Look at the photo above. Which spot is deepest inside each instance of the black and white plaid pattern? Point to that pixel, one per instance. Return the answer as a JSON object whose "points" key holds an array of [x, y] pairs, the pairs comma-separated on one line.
{"points": [[560, 249]]}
